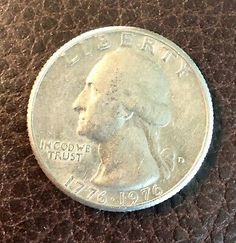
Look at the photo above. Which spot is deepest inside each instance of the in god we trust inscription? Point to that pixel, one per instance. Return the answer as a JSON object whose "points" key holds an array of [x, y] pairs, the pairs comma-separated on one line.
{"points": [[120, 118]]}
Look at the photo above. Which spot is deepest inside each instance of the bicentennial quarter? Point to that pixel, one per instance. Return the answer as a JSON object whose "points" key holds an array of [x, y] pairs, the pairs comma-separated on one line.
{"points": [[120, 118]]}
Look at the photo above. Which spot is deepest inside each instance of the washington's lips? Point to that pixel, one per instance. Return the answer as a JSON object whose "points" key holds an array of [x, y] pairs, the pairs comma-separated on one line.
{"points": [[81, 121], [81, 116]]}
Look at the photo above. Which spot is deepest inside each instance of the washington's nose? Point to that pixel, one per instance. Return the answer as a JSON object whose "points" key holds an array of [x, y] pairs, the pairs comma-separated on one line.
{"points": [[77, 105]]}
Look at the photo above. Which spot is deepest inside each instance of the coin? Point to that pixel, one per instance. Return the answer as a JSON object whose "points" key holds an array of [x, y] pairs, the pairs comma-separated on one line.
{"points": [[120, 118]]}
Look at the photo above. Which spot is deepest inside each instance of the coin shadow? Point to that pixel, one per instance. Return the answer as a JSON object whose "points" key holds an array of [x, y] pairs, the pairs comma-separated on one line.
{"points": [[209, 162]]}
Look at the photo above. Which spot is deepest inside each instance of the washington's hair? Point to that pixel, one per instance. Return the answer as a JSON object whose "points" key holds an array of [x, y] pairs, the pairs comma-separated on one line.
{"points": [[142, 88]]}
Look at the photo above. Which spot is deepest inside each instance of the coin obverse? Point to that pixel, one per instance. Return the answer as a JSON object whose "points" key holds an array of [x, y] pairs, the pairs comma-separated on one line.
{"points": [[120, 118]]}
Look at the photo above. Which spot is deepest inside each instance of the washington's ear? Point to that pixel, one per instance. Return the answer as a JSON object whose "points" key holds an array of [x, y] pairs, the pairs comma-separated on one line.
{"points": [[124, 113], [129, 116], [163, 115]]}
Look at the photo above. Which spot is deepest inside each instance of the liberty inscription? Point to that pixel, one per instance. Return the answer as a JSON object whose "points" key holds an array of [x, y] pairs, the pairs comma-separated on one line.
{"points": [[149, 45]]}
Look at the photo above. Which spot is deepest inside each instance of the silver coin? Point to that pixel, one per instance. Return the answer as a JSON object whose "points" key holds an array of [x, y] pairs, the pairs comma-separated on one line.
{"points": [[120, 118]]}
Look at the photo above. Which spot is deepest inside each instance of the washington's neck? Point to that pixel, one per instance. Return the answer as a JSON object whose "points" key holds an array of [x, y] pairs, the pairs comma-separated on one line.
{"points": [[129, 140], [126, 160]]}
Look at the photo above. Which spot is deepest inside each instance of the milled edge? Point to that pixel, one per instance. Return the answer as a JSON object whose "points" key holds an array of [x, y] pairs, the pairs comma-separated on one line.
{"points": [[208, 101]]}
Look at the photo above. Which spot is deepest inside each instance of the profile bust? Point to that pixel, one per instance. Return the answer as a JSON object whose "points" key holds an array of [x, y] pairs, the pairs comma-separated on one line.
{"points": [[123, 106]]}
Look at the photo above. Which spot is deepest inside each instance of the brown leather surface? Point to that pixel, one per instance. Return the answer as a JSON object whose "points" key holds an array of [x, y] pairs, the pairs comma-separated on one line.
{"points": [[31, 208]]}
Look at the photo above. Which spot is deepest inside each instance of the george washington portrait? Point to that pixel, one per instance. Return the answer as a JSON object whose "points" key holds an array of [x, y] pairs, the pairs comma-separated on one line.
{"points": [[123, 106]]}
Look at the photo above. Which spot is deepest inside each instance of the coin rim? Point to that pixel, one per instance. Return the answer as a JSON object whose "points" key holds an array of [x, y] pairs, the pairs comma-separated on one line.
{"points": [[206, 95]]}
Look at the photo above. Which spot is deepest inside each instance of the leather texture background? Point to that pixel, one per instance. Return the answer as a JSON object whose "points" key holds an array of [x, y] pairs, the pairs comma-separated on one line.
{"points": [[31, 208]]}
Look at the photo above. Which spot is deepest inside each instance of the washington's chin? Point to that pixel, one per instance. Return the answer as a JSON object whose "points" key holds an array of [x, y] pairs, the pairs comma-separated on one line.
{"points": [[81, 131], [95, 135]]}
